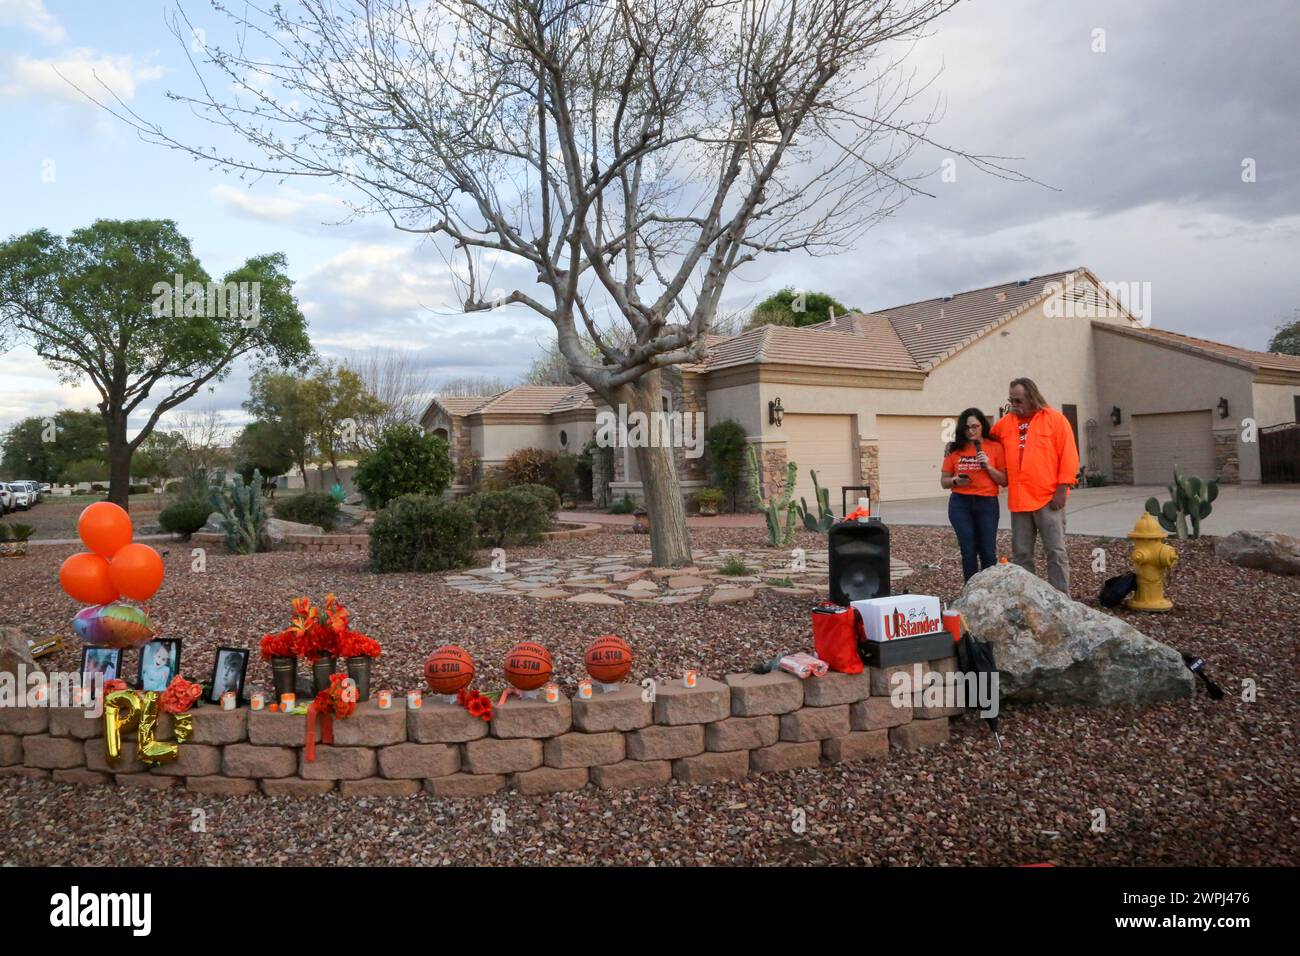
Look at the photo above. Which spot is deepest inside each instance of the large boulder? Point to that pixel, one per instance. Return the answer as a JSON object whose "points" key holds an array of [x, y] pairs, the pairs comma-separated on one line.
{"points": [[1055, 650], [1265, 550], [278, 528], [213, 524], [14, 651]]}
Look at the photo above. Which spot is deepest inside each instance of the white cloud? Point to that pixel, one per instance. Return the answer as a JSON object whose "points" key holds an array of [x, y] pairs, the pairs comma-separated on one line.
{"points": [[64, 76], [287, 205], [31, 15]]}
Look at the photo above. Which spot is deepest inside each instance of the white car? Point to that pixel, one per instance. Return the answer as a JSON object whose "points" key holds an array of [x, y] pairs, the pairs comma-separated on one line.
{"points": [[7, 499], [22, 498], [33, 490]]}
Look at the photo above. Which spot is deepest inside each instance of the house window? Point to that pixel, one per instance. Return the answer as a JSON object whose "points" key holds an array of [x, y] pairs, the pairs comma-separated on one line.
{"points": [[665, 401], [564, 438]]}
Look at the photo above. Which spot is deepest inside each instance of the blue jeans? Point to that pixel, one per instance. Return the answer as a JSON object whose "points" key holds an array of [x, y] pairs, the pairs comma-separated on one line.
{"points": [[975, 519]]}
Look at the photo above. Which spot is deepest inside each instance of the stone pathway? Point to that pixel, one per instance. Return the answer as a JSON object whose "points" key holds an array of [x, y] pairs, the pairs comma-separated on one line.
{"points": [[625, 577]]}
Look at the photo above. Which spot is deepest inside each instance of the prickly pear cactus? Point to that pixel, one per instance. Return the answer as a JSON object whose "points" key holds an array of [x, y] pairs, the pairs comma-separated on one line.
{"points": [[1188, 505], [825, 517], [773, 508], [242, 517]]}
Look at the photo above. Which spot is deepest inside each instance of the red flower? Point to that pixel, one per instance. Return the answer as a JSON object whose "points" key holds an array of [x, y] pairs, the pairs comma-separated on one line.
{"points": [[356, 644], [179, 696], [114, 684], [281, 644]]}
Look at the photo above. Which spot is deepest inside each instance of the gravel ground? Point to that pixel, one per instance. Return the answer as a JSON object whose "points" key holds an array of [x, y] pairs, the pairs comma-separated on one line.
{"points": [[56, 518], [1193, 782]]}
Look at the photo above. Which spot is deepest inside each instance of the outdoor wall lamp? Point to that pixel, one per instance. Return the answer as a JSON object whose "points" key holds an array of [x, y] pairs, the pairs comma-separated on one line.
{"points": [[775, 413], [1115, 417], [1223, 407]]}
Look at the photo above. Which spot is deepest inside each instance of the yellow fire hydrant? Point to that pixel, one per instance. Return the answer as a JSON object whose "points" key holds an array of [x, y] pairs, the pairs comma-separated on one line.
{"points": [[1152, 559]]}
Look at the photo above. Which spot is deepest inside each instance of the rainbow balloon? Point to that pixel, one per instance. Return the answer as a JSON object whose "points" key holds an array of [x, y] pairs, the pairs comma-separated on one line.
{"points": [[113, 625]]}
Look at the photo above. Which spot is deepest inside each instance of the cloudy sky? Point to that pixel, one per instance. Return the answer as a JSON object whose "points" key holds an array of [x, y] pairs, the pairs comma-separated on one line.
{"points": [[1138, 116]]}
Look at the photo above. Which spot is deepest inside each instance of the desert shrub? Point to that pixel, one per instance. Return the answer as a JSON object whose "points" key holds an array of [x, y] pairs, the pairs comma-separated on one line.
{"points": [[725, 444], [184, 517], [547, 496], [405, 462], [507, 518], [422, 533], [623, 507], [173, 487], [564, 475], [531, 466], [494, 479], [310, 507], [139, 489]]}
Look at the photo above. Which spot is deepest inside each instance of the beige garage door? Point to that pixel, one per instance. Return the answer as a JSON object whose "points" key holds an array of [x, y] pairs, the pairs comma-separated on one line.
{"points": [[911, 453], [824, 443], [1162, 441]]}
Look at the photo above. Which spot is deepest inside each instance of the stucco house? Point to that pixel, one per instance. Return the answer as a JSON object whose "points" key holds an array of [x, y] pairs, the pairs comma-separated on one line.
{"points": [[871, 398]]}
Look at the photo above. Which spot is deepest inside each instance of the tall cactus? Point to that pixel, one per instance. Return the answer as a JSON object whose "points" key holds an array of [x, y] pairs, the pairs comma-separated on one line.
{"points": [[774, 507], [1190, 499], [242, 517], [825, 517]]}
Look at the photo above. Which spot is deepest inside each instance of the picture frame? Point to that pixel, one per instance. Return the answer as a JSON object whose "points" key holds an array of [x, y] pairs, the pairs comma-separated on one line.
{"points": [[96, 659], [229, 668], [159, 664]]}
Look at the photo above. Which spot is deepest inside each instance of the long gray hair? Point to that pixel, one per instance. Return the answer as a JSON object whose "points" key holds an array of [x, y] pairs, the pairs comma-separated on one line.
{"points": [[1031, 391]]}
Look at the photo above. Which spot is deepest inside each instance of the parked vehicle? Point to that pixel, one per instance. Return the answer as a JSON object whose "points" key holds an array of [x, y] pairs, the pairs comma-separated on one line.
{"points": [[7, 500], [33, 490], [22, 496]]}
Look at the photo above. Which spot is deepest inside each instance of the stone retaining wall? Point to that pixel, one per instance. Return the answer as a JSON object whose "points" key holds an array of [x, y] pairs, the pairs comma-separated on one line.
{"points": [[720, 730]]}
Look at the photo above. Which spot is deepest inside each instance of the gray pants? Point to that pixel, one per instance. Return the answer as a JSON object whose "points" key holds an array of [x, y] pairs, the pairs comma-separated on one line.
{"points": [[1025, 526]]}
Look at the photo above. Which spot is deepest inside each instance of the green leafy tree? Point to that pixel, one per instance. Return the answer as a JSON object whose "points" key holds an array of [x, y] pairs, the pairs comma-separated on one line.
{"points": [[407, 462], [263, 446], [86, 470], [40, 448], [725, 445], [157, 455], [101, 306], [281, 400], [338, 403], [1287, 338], [792, 308]]}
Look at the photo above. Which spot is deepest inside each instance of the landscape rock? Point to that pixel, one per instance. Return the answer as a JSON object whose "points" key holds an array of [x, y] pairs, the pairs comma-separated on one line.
{"points": [[1051, 649], [1269, 551]]}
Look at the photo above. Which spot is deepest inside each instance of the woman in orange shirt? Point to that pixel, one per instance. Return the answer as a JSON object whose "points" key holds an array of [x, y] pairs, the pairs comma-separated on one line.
{"points": [[974, 468]]}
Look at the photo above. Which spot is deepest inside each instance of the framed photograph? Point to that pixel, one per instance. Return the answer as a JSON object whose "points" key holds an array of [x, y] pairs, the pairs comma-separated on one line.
{"points": [[228, 673], [99, 661], [160, 662]]}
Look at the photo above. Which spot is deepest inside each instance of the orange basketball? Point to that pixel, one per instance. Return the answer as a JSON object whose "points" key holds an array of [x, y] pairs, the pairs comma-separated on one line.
{"points": [[528, 665], [448, 669], [608, 659]]}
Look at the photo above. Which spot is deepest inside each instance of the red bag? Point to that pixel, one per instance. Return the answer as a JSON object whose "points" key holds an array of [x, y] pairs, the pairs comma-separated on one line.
{"points": [[835, 637]]}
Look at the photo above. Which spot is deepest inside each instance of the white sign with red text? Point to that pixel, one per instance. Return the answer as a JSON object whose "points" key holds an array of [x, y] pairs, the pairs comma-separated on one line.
{"points": [[906, 615]]}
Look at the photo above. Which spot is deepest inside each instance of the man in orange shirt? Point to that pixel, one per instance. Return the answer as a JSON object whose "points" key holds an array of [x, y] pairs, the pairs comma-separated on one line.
{"points": [[1042, 462]]}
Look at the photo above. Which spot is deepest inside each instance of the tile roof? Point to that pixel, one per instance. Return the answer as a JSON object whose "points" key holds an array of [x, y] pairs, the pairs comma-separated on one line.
{"points": [[933, 329], [578, 396], [531, 399], [460, 404], [876, 348], [1272, 361]]}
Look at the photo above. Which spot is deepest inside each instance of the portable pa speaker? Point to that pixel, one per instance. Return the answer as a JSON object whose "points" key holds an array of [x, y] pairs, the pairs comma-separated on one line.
{"points": [[859, 565]]}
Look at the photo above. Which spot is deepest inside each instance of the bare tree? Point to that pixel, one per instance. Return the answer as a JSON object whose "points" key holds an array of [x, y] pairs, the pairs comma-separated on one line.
{"points": [[631, 154], [401, 383], [470, 385]]}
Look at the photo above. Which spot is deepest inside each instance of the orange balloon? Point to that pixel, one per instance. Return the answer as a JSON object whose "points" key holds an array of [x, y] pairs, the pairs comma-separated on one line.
{"points": [[104, 528], [136, 571], [85, 577]]}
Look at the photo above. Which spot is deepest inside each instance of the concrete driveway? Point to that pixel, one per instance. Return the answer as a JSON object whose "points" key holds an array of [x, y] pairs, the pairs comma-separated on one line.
{"points": [[1112, 511]]}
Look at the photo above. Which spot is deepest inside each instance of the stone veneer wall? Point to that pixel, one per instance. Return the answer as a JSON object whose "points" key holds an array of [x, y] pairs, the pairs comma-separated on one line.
{"points": [[869, 470], [717, 731], [1121, 459], [1227, 462]]}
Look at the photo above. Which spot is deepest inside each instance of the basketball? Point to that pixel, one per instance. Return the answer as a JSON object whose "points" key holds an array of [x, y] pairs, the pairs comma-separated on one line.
{"points": [[448, 669], [608, 659], [528, 665]]}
